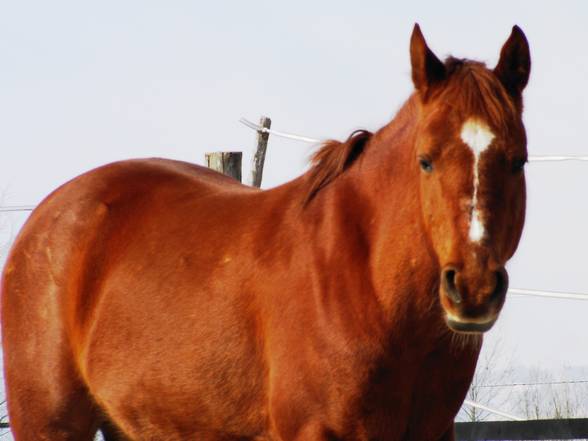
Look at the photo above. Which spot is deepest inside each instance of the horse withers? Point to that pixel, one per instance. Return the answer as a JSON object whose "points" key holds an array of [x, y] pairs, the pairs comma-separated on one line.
{"points": [[158, 300]]}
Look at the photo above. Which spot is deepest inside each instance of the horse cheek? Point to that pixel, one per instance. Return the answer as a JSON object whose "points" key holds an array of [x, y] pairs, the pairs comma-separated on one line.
{"points": [[436, 215]]}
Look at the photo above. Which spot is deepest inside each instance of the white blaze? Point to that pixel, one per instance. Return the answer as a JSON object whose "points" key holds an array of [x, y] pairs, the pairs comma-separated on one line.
{"points": [[478, 137]]}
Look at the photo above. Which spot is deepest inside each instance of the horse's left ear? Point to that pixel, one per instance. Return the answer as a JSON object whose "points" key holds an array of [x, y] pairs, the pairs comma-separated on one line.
{"points": [[514, 65]]}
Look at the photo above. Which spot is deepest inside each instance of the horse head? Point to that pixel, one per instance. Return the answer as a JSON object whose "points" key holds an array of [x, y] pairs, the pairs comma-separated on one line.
{"points": [[470, 151]]}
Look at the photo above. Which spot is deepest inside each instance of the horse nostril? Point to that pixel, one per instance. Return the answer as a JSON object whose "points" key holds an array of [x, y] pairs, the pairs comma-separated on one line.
{"points": [[448, 280], [501, 284]]}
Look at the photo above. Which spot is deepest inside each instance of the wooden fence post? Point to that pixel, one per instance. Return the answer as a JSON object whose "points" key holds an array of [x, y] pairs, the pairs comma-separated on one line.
{"points": [[259, 157], [228, 163]]}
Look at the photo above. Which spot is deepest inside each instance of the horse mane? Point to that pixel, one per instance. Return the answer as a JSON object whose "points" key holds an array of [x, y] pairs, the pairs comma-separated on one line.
{"points": [[332, 159], [473, 89]]}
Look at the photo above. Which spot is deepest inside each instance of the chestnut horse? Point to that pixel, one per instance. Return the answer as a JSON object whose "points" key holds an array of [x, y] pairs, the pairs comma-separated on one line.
{"points": [[159, 300]]}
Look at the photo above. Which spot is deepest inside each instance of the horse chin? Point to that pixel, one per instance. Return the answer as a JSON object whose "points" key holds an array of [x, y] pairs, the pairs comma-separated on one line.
{"points": [[469, 327]]}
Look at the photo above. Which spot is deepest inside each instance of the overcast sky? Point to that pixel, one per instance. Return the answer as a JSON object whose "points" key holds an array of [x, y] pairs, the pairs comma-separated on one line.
{"points": [[83, 84]]}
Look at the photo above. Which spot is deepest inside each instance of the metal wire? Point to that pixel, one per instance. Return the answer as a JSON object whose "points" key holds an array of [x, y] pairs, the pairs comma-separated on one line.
{"points": [[17, 208], [494, 411], [548, 294], [557, 158], [258, 128], [540, 383]]}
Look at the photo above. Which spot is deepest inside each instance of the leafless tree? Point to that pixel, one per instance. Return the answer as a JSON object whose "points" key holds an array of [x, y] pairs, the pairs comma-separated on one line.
{"points": [[546, 396], [494, 368]]}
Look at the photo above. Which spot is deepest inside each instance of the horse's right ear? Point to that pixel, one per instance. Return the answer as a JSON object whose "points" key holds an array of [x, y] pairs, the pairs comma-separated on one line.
{"points": [[427, 69]]}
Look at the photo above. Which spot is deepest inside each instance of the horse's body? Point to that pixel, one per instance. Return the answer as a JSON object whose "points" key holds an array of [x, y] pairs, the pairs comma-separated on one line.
{"points": [[173, 303]]}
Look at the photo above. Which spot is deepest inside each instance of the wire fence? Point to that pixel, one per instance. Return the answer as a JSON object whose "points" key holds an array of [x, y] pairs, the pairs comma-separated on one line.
{"points": [[306, 139]]}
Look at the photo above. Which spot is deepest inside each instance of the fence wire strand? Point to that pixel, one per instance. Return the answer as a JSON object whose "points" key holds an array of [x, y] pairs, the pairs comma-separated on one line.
{"points": [[532, 158]]}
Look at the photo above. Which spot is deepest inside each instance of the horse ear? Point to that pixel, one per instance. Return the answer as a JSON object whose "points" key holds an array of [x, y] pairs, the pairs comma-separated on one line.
{"points": [[514, 65], [427, 69]]}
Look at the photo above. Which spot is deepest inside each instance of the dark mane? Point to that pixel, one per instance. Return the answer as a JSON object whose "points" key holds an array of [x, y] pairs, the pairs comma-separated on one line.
{"points": [[473, 89], [332, 159]]}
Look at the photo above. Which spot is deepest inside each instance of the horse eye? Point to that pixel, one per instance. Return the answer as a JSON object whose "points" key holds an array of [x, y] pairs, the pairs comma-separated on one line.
{"points": [[426, 165], [518, 165]]}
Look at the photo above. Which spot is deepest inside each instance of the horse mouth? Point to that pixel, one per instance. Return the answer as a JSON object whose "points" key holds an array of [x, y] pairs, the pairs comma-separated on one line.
{"points": [[469, 327]]}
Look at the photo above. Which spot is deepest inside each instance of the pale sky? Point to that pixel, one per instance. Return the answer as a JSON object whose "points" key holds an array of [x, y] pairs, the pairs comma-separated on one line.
{"points": [[83, 84]]}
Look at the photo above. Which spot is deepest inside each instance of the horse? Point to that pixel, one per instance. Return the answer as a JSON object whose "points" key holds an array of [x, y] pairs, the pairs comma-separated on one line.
{"points": [[155, 299]]}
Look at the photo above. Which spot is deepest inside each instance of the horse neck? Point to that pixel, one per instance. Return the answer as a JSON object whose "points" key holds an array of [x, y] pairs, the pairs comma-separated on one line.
{"points": [[368, 232], [405, 270]]}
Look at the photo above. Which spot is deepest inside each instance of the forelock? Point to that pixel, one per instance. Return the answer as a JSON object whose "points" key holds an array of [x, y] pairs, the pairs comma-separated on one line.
{"points": [[472, 90]]}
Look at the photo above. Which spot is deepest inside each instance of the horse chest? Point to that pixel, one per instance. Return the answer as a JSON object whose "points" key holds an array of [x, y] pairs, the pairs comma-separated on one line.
{"points": [[402, 399]]}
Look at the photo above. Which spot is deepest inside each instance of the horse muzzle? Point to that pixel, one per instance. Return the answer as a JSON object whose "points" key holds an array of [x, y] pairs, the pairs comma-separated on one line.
{"points": [[472, 302]]}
